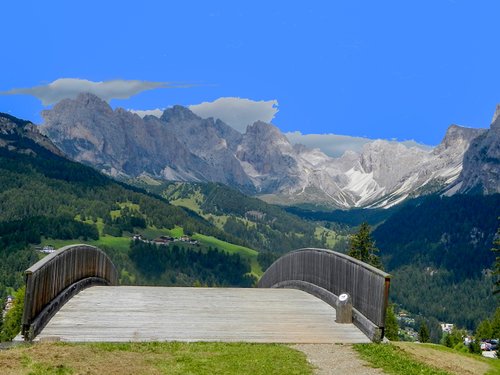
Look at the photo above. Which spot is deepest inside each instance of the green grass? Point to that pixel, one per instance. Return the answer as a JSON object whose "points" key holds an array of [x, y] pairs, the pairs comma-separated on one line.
{"points": [[123, 243], [117, 213], [230, 248], [221, 358], [176, 232], [394, 360], [190, 203], [331, 236], [154, 358], [218, 220], [118, 243], [153, 232], [59, 243]]}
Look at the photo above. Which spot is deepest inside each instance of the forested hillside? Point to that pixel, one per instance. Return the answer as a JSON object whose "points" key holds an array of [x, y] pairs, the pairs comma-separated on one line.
{"points": [[261, 225], [45, 198], [439, 252]]}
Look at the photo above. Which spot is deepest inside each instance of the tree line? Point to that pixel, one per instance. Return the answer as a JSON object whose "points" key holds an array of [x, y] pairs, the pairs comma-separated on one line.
{"points": [[173, 264]]}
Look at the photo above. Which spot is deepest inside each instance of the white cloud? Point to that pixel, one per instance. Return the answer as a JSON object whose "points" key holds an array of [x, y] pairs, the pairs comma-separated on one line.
{"points": [[335, 145], [237, 112], [64, 88], [147, 112], [331, 144]]}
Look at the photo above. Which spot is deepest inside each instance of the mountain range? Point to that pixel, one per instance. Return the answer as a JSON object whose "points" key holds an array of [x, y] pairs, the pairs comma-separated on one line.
{"points": [[181, 146]]}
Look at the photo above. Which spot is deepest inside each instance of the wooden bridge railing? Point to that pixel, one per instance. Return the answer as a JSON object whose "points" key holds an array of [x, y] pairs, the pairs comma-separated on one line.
{"points": [[327, 274], [56, 278]]}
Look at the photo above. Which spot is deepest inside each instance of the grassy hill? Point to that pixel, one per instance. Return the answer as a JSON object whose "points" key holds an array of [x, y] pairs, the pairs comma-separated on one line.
{"points": [[261, 225]]}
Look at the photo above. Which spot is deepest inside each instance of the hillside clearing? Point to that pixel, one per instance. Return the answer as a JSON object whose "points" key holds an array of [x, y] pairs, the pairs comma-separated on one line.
{"points": [[244, 252]]}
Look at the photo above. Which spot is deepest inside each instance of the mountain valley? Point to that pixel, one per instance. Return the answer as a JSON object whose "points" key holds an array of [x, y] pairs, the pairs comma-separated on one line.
{"points": [[434, 211]]}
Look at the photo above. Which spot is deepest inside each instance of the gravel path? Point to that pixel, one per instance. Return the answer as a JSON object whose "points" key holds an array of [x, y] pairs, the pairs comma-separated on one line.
{"points": [[331, 359]]}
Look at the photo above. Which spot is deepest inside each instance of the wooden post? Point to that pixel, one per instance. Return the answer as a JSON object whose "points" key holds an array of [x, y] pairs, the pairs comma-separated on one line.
{"points": [[344, 309]]}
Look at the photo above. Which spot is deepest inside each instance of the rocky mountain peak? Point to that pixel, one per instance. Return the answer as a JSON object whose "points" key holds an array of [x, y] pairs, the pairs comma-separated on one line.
{"points": [[495, 123], [91, 101], [84, 103], [266, 133], [458, 137], [261, 127], [178, 113], [481, 162]]}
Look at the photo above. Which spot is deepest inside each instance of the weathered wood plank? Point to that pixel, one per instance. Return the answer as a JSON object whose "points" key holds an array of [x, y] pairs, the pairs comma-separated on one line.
{"points": [[198, 314]]}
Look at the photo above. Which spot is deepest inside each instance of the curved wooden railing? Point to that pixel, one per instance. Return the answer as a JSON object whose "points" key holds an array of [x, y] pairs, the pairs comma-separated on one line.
{"points": [[327, 274], [52, 281]]}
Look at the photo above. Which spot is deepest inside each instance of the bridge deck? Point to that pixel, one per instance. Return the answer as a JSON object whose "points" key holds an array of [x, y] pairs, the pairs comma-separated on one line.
{"points": [[198, 314]]}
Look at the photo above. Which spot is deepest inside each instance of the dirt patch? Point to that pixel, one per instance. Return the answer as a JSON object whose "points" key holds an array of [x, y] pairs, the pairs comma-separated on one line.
{"points": [[451, 362], [331, 359]]}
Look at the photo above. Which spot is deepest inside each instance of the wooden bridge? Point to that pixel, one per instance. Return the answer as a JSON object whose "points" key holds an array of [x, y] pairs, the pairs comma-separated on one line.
{"points": [[71, 295]]}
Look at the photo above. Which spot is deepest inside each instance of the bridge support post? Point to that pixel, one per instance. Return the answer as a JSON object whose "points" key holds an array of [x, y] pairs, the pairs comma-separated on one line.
{"points": [[344, 309]]}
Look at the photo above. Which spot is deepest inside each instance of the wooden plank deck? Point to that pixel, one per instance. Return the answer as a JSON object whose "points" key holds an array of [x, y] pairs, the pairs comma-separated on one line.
{"points": [[117, 314]]}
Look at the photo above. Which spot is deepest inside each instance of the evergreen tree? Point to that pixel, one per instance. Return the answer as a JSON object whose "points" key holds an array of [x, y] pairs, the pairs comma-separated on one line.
{"points": [[1, 318], [362, 246], [484, 330], [391, 324], [12, 324], [423, 333], [474, 347], [448, 340], [495, 324], [454, 338], [496, 250]]}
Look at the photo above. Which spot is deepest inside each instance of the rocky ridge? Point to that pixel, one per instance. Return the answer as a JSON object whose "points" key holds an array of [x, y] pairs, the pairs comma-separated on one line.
{"points": [[481, 163], [183, 146], [14, 131]]}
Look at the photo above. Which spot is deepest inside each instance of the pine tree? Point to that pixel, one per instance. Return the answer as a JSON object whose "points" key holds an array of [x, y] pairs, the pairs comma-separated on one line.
{"points": [[12, 323], [496, 250], [362, 247], [423, 333], [484, 330], [391, 324], [448, 341], [1, 318], [495, 324]]}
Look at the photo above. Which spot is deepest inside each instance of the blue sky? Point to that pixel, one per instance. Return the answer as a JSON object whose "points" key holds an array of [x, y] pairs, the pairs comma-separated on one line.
{"points": [[385, 69]]}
